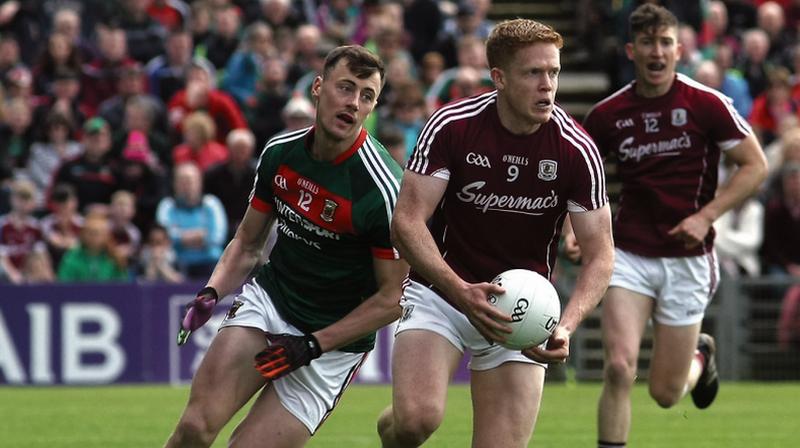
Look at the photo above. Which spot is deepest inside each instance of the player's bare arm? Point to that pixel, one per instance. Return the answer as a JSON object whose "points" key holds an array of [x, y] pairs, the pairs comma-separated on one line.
{"points": [[572, 250], [593, 233], [242, 254], [379, 310], [750, 173], [419, 197]]}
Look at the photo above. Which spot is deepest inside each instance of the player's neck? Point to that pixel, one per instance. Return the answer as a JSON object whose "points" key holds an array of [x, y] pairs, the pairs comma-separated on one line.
{"points": [[512, 121], [325, 148], [653, 90]]}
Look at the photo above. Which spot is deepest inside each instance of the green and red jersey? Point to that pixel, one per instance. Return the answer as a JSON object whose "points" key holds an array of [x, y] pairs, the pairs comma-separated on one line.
{"points": [[333, 218]]}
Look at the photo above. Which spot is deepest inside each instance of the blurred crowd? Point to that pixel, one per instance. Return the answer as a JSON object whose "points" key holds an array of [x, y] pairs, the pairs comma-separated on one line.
{"points": [[130, 129]]}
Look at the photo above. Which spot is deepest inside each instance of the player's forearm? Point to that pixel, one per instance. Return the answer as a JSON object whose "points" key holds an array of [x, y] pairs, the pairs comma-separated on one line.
{"points": [[744, 182], [236, 262], [416, 245], [374, 313], [590, 286]]}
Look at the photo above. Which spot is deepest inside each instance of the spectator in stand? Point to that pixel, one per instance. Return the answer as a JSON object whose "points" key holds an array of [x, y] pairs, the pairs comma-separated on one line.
{"points": [[195, 221], [60, 53], [94, 259], [171, 14], [468, 21], [303, 85], [471, 61], [789, 320], [19, 84], [16, 136], [772, 20], [740, 233], [297, 114], [199, 146], [200, 93], [48, 155], [278, 14], [130, 82], [422, 21], [139, 173], [406, 112], [342, 21], [125, 235], [62, 227], [22, 18], [263, 110], [140, 117], [157, 258], [306, 40], [690, 55], [99, 81], [244, 67], [431, 67], [9, 55], [64, 98], [223, 40], [733, 83], [200, 23], [23, 253], [91, 174], [781, 249], [167, 73], [753, 62], [717, 34], [232, 181], [67, 21], [144, 34], [773, 105]]}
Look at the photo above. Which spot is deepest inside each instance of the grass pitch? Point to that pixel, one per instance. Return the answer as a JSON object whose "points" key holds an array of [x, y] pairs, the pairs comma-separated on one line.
{"points": [[746, 415]]}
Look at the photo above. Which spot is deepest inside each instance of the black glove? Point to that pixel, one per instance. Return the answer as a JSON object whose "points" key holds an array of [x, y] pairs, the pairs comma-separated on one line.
{"points": [[285, 353], [198, 311]]}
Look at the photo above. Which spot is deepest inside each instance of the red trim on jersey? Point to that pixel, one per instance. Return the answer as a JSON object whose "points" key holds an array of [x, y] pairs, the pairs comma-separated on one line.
{"points": [[352, 150], [322, 207], [260, 205], [384, 253]]}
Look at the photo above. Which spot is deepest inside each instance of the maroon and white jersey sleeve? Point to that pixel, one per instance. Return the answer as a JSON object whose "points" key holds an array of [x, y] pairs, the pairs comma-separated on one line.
{"points": [[667, 151], [507, 195]]}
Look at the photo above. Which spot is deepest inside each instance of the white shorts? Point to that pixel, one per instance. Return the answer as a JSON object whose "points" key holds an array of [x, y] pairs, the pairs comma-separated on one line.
{"points": [[682, 286], [309, 393], [423, 309]]}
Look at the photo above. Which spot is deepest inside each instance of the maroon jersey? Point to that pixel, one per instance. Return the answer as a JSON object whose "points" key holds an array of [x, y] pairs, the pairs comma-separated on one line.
{"points": [[507, 195], [667, 150], [20, 239]]}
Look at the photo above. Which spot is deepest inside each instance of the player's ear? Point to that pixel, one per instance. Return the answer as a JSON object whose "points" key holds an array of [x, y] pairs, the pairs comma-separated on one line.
{"points": [[316, 86], [498, 78], [629, 50]]}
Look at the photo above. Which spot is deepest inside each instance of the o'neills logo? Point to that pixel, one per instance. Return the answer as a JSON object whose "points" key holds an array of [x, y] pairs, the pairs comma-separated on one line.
{"points": [[671, 147], [505, 202]]}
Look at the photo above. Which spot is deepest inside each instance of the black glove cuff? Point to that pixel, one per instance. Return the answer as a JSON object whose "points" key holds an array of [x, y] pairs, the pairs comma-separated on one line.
{"points": [[209, 291], [313, 346]]}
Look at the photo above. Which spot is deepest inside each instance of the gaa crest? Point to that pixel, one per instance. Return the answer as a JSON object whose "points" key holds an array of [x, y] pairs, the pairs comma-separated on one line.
{"points": [[328, 210], [678, 117], [548, 170]]}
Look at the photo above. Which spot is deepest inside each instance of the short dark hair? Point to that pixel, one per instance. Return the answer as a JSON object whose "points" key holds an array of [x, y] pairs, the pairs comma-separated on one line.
{"points": [[362, 62], [511, 35], [649, 18]]}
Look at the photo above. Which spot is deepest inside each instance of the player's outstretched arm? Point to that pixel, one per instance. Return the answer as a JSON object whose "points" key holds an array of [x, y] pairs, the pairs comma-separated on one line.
{"points": [[593, 232], [751, 172], [419, 197], [236, 262]]}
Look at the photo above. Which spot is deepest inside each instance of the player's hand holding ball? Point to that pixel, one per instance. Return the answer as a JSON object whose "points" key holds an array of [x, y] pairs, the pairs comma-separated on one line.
{"points": [[198, 312], [535, 310], [285, 353]]}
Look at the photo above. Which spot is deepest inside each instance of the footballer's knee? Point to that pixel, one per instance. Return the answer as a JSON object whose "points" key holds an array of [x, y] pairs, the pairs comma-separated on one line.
{"points": [[414, 426], [194, 430], [620, 371], [666, 395]]}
